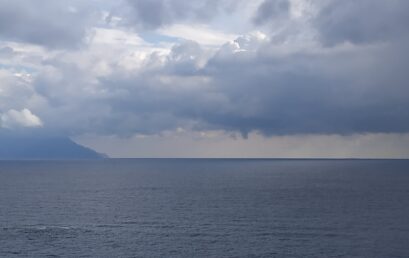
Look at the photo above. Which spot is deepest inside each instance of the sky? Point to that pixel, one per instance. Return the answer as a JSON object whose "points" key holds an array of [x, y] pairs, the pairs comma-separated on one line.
{"points": [[215, 78]]}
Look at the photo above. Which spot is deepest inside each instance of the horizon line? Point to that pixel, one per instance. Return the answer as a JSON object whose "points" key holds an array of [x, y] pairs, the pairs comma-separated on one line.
{"points": [[204, 158]]}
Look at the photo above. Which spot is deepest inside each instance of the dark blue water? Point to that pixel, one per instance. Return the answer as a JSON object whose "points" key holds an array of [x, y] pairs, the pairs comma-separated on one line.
{"points": [[204, 208]]}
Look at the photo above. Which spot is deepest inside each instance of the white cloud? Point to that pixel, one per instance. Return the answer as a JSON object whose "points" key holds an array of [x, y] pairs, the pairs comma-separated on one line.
{"points": [[24, 118], [199, 33]]}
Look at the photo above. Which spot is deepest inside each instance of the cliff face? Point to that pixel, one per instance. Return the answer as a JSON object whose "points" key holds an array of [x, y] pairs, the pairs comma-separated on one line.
{"points": [[25, 147]]}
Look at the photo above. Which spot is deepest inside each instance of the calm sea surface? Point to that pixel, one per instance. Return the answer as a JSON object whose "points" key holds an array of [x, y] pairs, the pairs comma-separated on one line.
{"points": [[204, 208]]}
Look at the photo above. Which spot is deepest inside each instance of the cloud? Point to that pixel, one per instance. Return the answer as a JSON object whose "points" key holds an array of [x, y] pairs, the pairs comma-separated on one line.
{"points": [[362, 21], [154, 14], [200, 34], [15, 119], [6, 52], [270, 10], [54, 24], [118, 84], [287, 21], [247, 85], [304, 93]]}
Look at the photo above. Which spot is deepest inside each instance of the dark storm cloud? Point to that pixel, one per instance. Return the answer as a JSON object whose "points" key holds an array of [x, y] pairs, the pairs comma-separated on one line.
{"points": [[319, 93], [313, 93], [363, 21], [48, 23], [153, 14]]}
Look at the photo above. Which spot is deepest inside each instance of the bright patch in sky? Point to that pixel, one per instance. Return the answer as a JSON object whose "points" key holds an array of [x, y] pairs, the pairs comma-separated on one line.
{"points": [[24, 118], [198, 33]]}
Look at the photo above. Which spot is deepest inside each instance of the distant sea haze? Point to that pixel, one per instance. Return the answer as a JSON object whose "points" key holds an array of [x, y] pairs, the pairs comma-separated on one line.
{"points": [[204, 208]]}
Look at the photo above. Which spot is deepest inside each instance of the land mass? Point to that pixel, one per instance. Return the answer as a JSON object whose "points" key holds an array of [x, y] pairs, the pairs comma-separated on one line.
{"points": [[43, 148]]}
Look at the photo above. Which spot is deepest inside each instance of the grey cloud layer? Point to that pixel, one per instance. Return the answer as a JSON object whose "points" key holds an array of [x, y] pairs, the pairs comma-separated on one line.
{"points": [[299, 93], [363, 21], [252, 84], [152, 14], [271, 10], [48, 23]]}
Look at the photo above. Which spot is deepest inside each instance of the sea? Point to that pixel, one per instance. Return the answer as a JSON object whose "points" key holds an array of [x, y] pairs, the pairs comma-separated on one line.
{"points": [[204, 208]]}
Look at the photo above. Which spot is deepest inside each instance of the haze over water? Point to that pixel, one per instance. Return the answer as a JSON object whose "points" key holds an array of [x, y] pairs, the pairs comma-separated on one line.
{"points": [[204, 208]]}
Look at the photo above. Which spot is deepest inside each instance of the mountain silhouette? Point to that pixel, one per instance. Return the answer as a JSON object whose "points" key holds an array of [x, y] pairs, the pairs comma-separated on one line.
{"points": [[16, 147]]}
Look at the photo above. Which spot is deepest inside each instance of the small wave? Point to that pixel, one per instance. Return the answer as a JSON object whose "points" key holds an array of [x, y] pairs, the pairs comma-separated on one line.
{"points": [[51, 227], [39, 228], [109, 226]]}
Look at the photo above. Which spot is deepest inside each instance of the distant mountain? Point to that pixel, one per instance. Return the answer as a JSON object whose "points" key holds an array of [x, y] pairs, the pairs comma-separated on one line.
{"points": [[28, 147]]}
